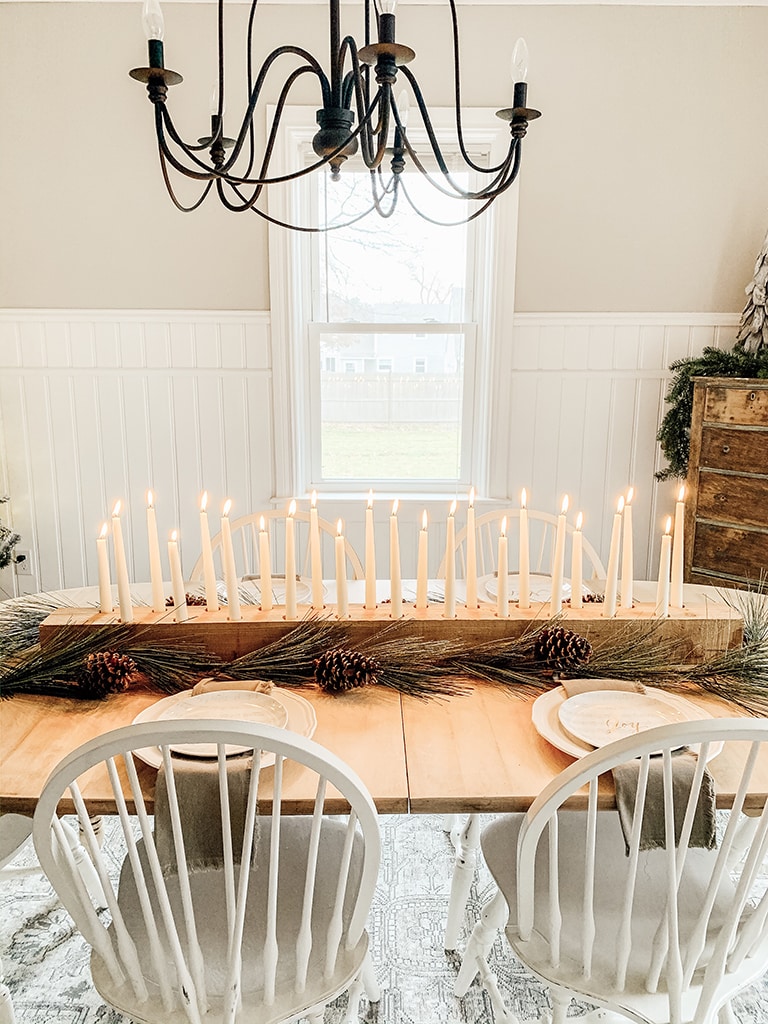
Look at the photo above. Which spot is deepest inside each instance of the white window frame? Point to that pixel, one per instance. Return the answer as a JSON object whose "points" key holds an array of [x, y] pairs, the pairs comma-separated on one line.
{"points": [[486, 420]]}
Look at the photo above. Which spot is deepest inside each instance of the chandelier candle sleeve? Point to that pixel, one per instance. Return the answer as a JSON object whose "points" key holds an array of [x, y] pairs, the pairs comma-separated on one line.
{"points": [[105, 583], [291, 611], [342, 605], [265, 567], [315, 559], [612, 582], [370, 556], [524, 558], [395, 579], [121, 568], [502, 600], [155, 566], [678, 549], [577, 559], [662, 588], [177, 580], [422, 562], [449, 610], [471, 553], [627, 554], [230, 573], [209, 573], [558, 563]]}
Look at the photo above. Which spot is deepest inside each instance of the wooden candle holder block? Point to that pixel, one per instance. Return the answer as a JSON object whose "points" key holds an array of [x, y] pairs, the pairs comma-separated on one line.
{"points": [[700, 630]]}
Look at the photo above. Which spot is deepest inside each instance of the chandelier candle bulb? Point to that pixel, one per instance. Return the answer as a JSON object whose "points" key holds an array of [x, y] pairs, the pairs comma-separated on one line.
{"points": [[577, 558], [265, 567], [342, 605], [422, 562], [291, 611], [177, 579], [155, 567], [209, 572], [627, 554], [612, 581], [370, 556], [662, 589], [449, 611], [121, 568], [230, 573], [471, 553], [524, 557], [558, 563], [678, 549], [105, 583], [502, 600], [395, 579], [315, 559]]}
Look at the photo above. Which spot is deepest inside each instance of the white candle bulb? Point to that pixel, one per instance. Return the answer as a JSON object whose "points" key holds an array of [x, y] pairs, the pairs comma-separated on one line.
{"points": [[155, 566], [519, 63], [502, 579], [105, 583], [558, 562], [265, 567], [230, 572], [342, 605], [177, 579], [315, 557], [121, 568], [471, 553], [395, 580], [291, 611], [612, 582], [209, 572], [662, 588], [422, 564], [449, 611], [678, 552], [524, 557], [627, 554], [370, 556], [152, 19], [577, 560]]}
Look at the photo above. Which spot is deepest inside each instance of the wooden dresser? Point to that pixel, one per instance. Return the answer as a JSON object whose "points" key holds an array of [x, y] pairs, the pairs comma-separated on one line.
{"points": [[726, 524]]}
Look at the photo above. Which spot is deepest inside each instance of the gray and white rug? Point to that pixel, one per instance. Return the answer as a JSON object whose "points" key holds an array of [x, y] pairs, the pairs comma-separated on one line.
{"points": [[46, 961]]}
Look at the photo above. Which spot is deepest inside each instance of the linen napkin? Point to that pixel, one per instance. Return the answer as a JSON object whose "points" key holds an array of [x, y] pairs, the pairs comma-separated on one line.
{"points": [[210, 685]]}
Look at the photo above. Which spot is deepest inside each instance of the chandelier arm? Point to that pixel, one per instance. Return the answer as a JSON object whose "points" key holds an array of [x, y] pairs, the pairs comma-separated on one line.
{"points": [[303, 228], [365, 108], [503, 179], [172, 194], [162, 116], [393, 189], [446, 224]]}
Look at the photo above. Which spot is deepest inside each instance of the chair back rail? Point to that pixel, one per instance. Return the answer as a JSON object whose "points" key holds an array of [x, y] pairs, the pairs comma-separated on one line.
{"points": [[705, 925], [542, 528], [245, 542], [312, 942]]}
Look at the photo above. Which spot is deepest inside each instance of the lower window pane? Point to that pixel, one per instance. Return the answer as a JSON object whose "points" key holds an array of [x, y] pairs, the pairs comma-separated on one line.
{"points": [[391, 410]]}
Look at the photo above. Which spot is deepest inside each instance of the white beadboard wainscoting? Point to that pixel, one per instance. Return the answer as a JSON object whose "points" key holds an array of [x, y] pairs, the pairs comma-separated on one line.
{"points": [[100, 405]]}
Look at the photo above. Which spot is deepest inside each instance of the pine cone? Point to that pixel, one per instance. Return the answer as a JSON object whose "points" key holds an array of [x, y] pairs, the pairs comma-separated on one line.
{"points": [[338, 670], [105, 672], [561, 648], [191, 599]]}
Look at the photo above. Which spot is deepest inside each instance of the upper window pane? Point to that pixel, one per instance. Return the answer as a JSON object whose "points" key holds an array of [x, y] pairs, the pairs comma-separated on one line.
{"points": [[400, 270]]}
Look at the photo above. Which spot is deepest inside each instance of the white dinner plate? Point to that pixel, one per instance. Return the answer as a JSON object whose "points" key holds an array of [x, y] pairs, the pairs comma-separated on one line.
{"points": [[546, 721], [598, 717], [301, 717], [540, 587], [249, 589], [232, 705]]}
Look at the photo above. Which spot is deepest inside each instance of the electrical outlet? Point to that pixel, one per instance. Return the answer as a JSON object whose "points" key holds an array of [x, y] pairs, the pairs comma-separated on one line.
{"points": [[23, 563]]}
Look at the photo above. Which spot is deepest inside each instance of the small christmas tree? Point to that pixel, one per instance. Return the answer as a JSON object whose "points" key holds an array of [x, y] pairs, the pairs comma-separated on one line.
{"points": [[753, 331], [8, 541]]}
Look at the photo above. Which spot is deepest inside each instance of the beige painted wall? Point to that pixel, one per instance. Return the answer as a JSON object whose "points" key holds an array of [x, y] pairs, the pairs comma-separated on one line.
{"points": [[644, 186]]}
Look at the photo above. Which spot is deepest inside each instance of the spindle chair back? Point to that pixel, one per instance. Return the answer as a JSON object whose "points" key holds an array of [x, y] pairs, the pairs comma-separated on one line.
{"points": [[666, 935], [270, 931], [245, 542], [542, 528]]}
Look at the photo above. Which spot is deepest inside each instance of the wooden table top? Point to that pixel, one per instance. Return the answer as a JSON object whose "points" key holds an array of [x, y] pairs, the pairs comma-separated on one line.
{"points": [[472, 753]]}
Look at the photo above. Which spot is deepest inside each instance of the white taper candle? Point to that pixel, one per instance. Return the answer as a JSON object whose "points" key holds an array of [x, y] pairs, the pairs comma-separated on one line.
{"points": [[577, 562], [105, 583], [370, 556], [177, 579], [265, 567], [449, 609], [524, 558], [395, 579], [502, 580], [121, 568], [678, 552], [471, 553], [315, 557], [662, 587], [228, 560], [342, 605], [155, 566], [612, 582], [291, 610], [209, 572], [558, 562], [627, 554]]}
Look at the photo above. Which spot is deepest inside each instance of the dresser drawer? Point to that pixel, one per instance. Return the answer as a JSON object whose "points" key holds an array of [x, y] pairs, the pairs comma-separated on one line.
{"points": [[730, 551], [747, 406], [733, 499], [741, 451]]}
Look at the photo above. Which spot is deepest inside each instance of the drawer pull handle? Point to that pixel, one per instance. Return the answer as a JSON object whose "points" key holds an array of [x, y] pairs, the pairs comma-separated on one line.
{"points": [[752, 396], [726, 449], [722, 497]]}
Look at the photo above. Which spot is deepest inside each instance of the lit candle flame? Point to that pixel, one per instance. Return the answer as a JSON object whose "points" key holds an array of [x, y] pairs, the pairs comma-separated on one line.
{"points": [[103, 530], [424, 520], [262, 524], [579, 520], [452, 510], [370, 499], [395, 505], [668, 526], [471, 496], [204, 501], [504, 527], [523, 499], [227, 507], [564, 507], [630, 495], [339, 528], [116, 509], [681, 493], [314, 499], [292, 507], [620, 506], [174, 535], [150, 499]]}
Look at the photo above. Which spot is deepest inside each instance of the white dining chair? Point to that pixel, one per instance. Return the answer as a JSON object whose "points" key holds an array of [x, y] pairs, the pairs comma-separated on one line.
{"points": [[666, 935], [245, 542], [272, 927]]}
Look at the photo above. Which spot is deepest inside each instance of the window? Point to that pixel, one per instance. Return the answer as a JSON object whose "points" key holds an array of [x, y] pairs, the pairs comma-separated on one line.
{"points": [[388, 374]]}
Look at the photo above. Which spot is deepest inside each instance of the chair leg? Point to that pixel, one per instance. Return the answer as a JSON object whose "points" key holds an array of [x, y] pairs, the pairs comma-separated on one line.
{"points": [[316, 1016], [370, 981], [561, 1000], [7, 1015], [463, 875], [353, 1003], [726, 1015], [493, 918]]}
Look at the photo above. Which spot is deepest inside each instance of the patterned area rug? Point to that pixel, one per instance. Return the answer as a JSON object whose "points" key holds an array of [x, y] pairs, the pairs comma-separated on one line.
{"points": [[46, 961]]}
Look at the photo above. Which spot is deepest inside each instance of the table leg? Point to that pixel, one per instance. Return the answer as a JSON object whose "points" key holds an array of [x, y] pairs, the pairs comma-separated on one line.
{"points": [[463, 874]]}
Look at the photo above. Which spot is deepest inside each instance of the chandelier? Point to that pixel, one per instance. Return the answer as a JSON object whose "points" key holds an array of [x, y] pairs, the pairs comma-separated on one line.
{"points": [[358, 112]]}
